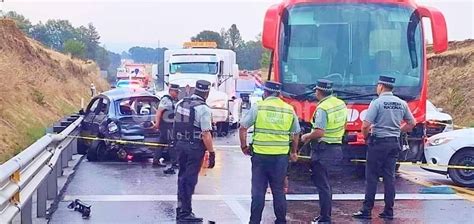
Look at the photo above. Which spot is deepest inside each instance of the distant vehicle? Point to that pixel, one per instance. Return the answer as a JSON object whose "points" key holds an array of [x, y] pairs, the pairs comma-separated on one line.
{"points": [[200, 60], [119, 114], [132, 71], [128, 83], [452, 148], [436, 121]]}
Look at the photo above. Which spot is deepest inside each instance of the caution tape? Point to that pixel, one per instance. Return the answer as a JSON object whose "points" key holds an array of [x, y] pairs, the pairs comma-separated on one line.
{"points": [[424, 165], [119, 141], [419, 164]]}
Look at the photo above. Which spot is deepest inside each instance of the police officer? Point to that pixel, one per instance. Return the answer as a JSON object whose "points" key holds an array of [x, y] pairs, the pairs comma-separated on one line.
{"points": [[325, 140], [164, 123], [192, 127], [276, 131], [383, 118]]}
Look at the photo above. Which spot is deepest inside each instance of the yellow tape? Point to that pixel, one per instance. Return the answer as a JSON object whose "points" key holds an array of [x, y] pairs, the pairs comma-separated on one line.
{"points": [[424, 165], [119, 141]]}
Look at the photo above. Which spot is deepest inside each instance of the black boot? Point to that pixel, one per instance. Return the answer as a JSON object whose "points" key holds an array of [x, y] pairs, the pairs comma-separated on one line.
{"points": [[189, 218], [362, 215], [169, 171]]}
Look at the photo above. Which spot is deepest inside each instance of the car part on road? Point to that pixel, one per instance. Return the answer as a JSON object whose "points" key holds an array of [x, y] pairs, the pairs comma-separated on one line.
{"points": [[463, 177], [83, 208]]}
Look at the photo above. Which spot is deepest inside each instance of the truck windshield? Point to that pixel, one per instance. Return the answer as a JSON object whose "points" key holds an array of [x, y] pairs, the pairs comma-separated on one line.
{"points": [[351, 45], [194, 67]]}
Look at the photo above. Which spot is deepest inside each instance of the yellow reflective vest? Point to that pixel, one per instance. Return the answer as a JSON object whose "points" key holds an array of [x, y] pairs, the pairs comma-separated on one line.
{"points": [[336, 111], [272, 127]]}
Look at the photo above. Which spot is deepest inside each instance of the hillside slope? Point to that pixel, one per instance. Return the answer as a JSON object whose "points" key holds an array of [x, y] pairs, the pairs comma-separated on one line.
{"points": [[451, 81], [37, 87]]}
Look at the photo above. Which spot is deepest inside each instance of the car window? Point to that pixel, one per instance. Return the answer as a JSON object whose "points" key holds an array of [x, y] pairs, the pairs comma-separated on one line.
{"points": [[93, 105], [102, 108], [138, 106]]}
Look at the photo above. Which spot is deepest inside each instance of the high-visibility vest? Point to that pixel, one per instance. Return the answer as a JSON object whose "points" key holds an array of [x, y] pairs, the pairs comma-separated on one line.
{"points": [[336, 111], [272, 127]]}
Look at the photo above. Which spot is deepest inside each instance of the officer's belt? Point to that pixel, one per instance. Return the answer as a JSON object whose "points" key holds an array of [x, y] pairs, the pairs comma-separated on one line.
{"points": [[188, 136], [384, 139]]}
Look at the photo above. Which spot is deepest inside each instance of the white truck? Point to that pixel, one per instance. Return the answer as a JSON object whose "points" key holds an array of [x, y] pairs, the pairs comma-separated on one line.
{"points": [[218, 66]]}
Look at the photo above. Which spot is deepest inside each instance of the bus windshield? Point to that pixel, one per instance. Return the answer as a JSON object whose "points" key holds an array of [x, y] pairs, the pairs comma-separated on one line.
{"points": [[194, 67], [351, 45]]}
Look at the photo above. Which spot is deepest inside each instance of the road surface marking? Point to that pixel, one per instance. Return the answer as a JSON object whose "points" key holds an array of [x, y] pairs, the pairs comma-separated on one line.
{"points": [[228, 146], [463, 192], [239, 210], [289, 197]]}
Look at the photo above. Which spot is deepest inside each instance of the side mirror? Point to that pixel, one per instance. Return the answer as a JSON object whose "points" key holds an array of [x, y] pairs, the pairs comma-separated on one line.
{"points": [[270, 27], [81, 112], [235, 71], [438, 27]]}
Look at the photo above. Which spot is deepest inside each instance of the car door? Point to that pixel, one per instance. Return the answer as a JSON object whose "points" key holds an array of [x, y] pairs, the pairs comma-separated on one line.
{"points": [[99, 124], [89, 114]]}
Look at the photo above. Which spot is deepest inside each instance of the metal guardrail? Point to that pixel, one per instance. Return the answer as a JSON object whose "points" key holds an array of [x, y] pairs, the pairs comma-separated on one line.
{"points": [[36, 169]]}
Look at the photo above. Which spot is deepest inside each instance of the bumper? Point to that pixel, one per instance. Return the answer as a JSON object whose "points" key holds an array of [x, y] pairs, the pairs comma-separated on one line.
{"points": [[438, 155]]}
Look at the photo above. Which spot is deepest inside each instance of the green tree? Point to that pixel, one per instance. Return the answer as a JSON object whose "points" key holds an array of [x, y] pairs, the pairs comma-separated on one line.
{"points": [[21, 22], [90, 37], [76, 48], [208, 35], [249, 55], [146, 54], [59, 31], [265, 61], [102, 58], [234, 40], [39, 33]]}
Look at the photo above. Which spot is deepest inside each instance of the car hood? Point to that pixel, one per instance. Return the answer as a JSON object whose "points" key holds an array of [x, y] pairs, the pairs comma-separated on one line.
{"points": [[438, 116], [460, 133]]}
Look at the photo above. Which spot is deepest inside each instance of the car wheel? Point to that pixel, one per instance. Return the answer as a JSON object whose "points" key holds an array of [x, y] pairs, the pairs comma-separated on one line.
{"points": [[463, 177], [81, 147], [97, 152], [222, 129]]}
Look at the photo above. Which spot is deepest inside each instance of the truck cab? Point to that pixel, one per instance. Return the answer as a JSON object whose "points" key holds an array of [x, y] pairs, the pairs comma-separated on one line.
{"points": [[218, 66]]}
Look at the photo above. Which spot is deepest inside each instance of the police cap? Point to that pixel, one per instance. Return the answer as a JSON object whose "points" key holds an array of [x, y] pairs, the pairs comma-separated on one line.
{"points": [[387, 80], [323, 85], [203, 86], [175, 87], [272, 86]]}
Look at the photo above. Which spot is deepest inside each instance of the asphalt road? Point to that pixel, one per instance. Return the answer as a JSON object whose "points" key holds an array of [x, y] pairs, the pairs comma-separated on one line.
{"points": [[136, 192]]}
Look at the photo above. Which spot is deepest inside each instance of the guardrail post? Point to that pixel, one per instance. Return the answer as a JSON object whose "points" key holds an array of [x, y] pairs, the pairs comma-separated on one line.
{"points": [[26, 212], [41, 198], [64, 158], [53, 183]]}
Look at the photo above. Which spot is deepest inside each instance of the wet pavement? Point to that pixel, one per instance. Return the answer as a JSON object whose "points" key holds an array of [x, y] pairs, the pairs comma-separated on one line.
{"points": [[138, 193]]}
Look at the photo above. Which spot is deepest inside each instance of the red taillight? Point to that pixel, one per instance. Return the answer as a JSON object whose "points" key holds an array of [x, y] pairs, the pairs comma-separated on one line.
{"points": [[129, 157]]}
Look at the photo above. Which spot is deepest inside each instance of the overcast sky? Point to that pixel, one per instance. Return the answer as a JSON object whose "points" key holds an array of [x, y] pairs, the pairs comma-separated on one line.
{"points": [[168, 23]]}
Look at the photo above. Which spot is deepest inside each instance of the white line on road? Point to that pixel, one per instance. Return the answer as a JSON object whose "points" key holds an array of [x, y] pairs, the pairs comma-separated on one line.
{"points": [[239, 210], [227, 146], [289, 197]]}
